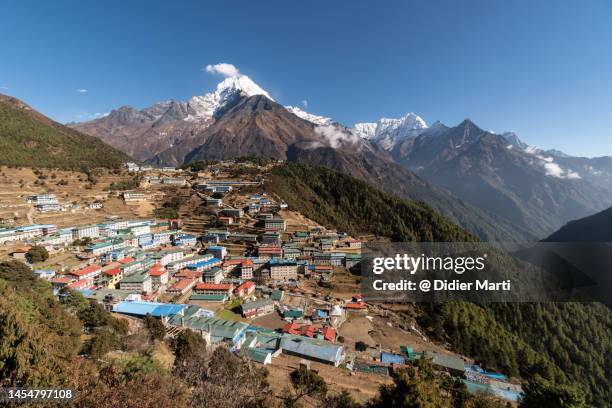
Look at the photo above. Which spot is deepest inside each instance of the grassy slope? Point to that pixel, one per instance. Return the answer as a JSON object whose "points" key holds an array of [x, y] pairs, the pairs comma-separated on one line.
{"points": [[28, 138], [566, 343]]}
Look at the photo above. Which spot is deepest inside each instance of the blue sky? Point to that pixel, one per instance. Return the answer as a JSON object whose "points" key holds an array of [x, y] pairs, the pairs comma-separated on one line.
{"points": [[540, 68]]}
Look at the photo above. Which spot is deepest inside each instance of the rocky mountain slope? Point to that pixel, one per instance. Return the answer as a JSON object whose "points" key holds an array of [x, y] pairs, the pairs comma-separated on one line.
{"points": [[150, 131], [28, 138], [500, 174]]}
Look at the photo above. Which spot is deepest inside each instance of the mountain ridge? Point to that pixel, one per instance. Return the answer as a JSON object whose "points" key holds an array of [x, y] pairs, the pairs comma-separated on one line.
{"points": [[28, 138]]}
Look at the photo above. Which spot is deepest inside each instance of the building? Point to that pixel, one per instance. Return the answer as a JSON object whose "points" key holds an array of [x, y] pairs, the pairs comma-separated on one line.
{"points": [[215, 288], [138, 282], [110, 277], [173, 181], [87, 231], [246, 289], [257, 308], [214, 202], [269, 251], [219, 252], [46, 274], [275, 224], [283, 269], [167, 256], [214, 275], [133, 197], [233, 212], [246, 269], [175, 266], [182, 286], [271, 238], [313, 349], [159, 276], [226, 220], [90, 272]]}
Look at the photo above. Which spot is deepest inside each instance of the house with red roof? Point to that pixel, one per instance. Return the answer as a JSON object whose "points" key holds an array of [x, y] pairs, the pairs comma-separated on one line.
{"points": [[182, 286], [159, 275], [89, 272], [246, 269], [246, 289]]}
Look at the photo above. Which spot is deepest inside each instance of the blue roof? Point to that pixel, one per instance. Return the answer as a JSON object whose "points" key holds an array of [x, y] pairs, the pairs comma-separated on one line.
{"points": [[143, 308], [203, 263], [390, 358]]}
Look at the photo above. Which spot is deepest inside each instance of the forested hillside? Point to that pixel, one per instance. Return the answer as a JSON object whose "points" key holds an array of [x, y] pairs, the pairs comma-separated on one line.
{"points": [[563, 349], [354, 206], [30, 139]]}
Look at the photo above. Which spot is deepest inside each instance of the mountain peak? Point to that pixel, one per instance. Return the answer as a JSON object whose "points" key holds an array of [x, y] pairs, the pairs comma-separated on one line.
{"points": [[243, 84], [387, 132], [206, 106]]}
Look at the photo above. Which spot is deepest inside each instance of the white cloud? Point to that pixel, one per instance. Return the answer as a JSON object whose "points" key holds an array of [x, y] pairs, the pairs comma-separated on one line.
{"points": [[4, 88], [227, 70], [305, 103], [81, 90], [554, 170], [336, 136]]}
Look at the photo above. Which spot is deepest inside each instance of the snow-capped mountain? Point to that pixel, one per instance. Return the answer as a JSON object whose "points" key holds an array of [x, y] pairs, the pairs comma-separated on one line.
{"points": [[205, 107], [146, 132], [388, 132], [317, 120]]}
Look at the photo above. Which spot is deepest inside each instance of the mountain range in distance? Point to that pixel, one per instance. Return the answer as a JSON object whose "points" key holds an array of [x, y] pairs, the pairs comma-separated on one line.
{"points": [[533, 191]]}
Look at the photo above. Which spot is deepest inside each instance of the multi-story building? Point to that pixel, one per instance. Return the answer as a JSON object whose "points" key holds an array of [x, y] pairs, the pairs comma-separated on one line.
{"points": [[87, 231], [275, 224], [246, 269], [214, 275], [138, 282], [283, 269], [257, 308]]}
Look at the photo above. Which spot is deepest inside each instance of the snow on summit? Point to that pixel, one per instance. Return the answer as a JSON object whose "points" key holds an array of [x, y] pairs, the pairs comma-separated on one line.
{"points": [[203, 107]]}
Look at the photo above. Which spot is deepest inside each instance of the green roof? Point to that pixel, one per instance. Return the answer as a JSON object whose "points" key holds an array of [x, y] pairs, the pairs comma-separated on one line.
{"points": [[208, 297], [294, 313], [257, 355], [256, 304], [138, 277], [277, 294]]}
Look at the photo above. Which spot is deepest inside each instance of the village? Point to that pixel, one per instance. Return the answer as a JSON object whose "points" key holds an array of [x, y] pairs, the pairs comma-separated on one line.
{"points": [[210, 250]]}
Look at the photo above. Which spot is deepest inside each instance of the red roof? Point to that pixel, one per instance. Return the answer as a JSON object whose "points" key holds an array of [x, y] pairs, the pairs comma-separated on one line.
{"points": [[81, 283], [329, 333], [245, 286], [157, 270], [113, 272], [247, 263], [214, 286], [182, 284], [111, 265], [324, 267], [87, 270], [232, 262], [356, 305], [269, 249], [307, 330], [186, 273], [63, 279], [126, 260]]}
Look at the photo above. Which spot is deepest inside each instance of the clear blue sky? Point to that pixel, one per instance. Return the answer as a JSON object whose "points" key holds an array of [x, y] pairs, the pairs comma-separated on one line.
{"points": [[540, 68]]}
